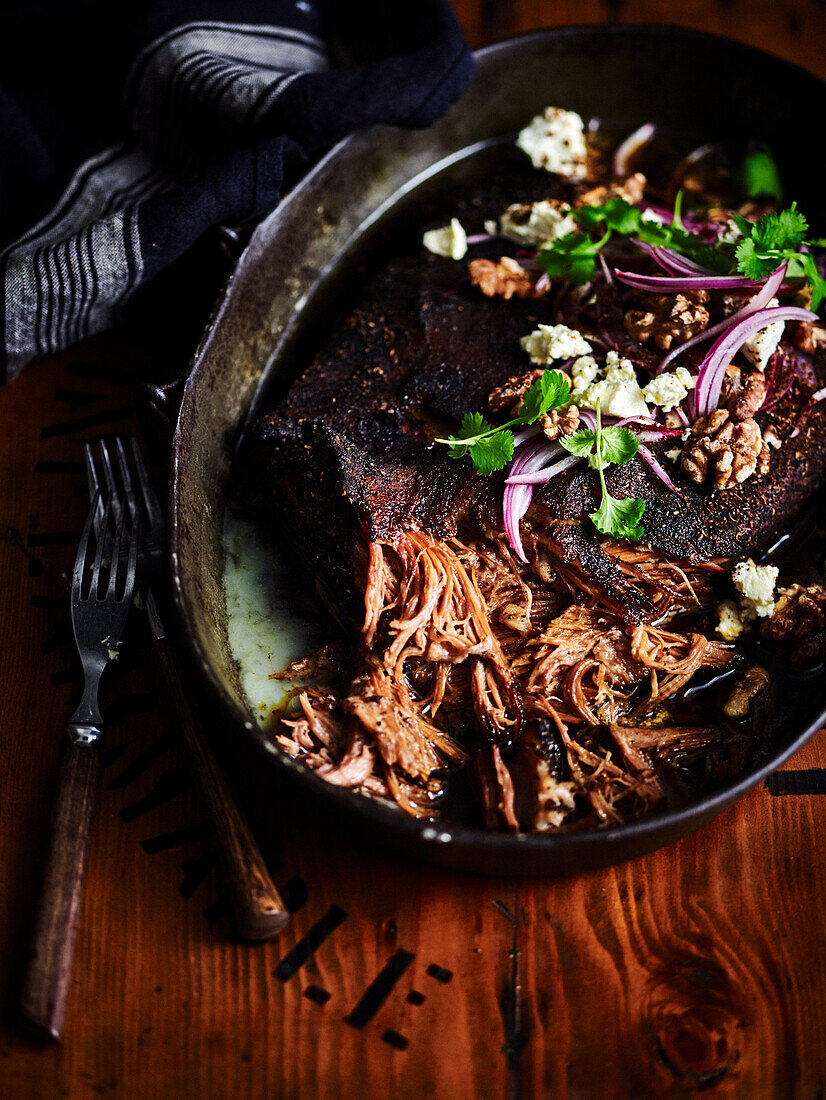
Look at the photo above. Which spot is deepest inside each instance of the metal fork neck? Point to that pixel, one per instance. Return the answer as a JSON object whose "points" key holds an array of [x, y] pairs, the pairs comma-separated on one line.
{"points": [[86, 724]]}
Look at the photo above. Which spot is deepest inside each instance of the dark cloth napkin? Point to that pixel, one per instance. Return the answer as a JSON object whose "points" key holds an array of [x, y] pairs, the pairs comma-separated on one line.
{"points": [[129, 129]]}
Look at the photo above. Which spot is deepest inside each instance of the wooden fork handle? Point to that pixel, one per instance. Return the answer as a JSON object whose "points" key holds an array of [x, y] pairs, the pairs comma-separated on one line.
{"points": [[43, 1004], [257, 906]]}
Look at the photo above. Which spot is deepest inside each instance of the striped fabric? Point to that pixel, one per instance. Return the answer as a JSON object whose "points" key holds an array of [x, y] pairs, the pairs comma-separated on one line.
{"points": [[215, 111]]}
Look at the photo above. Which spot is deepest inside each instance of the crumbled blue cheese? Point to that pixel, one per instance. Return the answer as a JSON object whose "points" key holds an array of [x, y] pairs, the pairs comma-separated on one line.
{"points": [[729, 623], [668, 390], [730, 233], [674, 455], [549, 342], [755, 583], [618, 391], [555, 141], [760, 348], [584, 371], [537, 224], [449, 241], [649, 215]]}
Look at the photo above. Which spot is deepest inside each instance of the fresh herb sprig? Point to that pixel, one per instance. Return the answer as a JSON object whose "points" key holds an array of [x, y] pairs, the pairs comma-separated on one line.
{"points": [[772, 240], [604, 446], [491, 447], [775, 239]]}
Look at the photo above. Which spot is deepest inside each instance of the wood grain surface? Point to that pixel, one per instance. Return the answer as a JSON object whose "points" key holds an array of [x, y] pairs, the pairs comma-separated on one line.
{"points": [[700, 968]]}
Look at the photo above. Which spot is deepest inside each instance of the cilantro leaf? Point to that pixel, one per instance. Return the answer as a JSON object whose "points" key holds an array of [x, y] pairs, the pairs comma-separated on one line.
{"points": [[473, 426], [619, 518], [616, 215], [493, 452], [491, 448], [579, 443], [546, 393], [572, 257], [778, 232], [758, 176], [748, 262], [619, 445]]}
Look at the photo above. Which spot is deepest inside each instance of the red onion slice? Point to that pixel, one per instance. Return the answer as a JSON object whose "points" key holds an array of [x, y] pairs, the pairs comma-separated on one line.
{"points": [[539, 477], [654, 435], [713, 367], [667, 284], [761, 299], [648, 457], [517, 498], [631, 145]]}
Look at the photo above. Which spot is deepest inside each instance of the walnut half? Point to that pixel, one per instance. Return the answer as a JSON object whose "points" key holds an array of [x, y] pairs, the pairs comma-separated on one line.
{"points": [[724, 452], [507, 397], [560, 422], [506, 279], [668, 319]]}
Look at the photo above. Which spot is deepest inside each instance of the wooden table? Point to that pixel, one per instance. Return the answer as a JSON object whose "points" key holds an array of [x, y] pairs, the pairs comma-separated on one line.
{"points": [[699, 967]]}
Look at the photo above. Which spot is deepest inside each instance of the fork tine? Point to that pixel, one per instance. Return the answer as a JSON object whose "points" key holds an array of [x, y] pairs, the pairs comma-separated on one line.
{"points": [[109, 475], [126, 478], [150, 500], [93, 485], [117, 555], [104, 538], [131, 564], [83, 548]]}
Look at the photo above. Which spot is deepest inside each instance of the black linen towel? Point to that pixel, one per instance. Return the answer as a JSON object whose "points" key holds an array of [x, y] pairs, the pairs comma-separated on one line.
{"points": [[128, 130]]}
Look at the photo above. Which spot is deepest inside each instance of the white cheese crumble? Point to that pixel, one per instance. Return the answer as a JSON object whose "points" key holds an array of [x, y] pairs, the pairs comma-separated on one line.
{"points": [[729, 624], [555, 141], [755, 583], [618, 391], [668, 390], [449, 241], [730, 233], [537, 224], [760, 348], [583, 371], [549, 342]]}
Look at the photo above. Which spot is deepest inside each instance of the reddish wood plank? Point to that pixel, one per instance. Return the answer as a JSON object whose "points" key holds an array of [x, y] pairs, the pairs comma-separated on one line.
{"points": [[704, 964]]}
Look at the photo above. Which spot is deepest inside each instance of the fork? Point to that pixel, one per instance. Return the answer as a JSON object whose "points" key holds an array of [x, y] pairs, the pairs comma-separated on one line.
{"points": [[102, 587], [257, 907]]}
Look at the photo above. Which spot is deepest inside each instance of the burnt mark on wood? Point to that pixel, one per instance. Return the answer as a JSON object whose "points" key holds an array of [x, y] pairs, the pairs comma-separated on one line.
{"points": [[379, 989], [218, 909], [294, 893], [414, 997], [65, 675], [316, 994], [395, 1040], [169, 786], [129, 705], [142, 763], [440, 973], [54, 538], [84, 423], [195, 872], [310, 943], [48, 603], [802, 781], [60, 468], [175, 838]]}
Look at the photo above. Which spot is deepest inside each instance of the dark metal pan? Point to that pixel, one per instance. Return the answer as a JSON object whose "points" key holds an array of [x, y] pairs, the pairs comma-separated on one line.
{"points": [[302, 258]]}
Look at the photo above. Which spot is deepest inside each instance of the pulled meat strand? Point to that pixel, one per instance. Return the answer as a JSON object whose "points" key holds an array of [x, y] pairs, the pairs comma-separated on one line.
{"points": [[463, 647]]}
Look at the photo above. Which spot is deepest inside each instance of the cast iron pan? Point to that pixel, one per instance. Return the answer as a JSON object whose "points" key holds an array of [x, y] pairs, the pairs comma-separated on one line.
{"points": [[303, 258]]}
